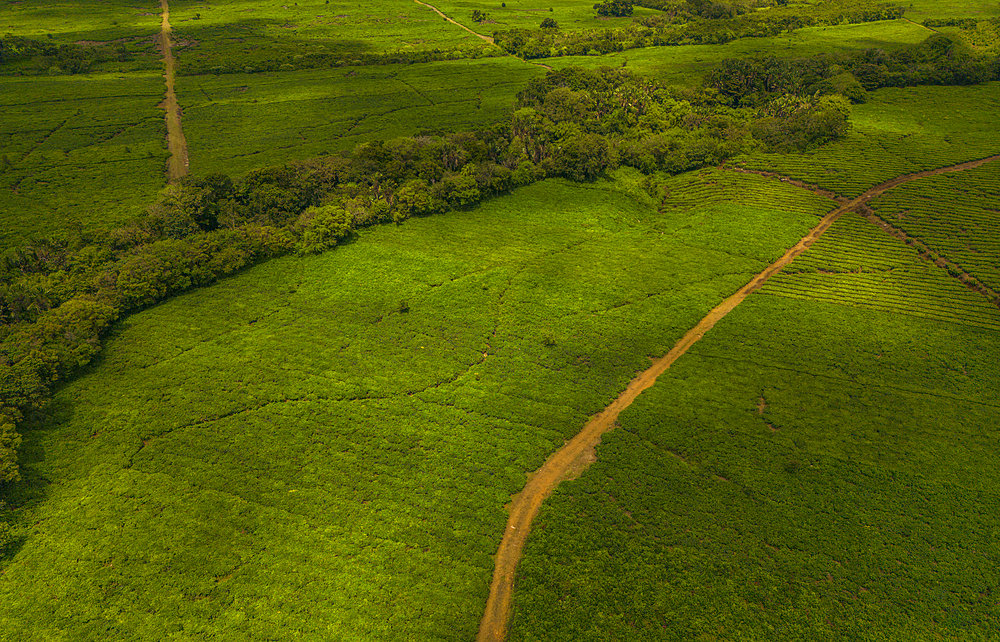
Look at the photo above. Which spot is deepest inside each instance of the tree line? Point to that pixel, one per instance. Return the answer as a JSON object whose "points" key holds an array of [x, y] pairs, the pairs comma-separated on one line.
{"points": [[30, 57]]}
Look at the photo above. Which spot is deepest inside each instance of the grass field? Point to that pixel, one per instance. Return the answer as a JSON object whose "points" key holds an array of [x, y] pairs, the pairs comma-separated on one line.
{"points": [[67, 159], [291, 454], [235, 123], [67, 21], [215, 33], [955, 216], [898, 131], [686, 65], [922, 9], [809, 470]]}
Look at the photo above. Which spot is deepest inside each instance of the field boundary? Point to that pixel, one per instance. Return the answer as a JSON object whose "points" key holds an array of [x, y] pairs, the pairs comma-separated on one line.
{"points": [[177, 164], [578, 453]]}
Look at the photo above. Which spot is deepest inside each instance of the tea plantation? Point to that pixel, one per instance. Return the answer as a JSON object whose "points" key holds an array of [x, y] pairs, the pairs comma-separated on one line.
{"points": [[417, 246], [324, 446]]}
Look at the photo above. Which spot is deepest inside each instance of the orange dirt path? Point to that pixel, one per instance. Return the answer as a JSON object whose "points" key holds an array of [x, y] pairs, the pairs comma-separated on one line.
{"points": [[577, 454], [177, 164]]}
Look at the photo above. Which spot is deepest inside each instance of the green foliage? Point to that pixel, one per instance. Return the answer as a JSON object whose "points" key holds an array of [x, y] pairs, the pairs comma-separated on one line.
{"points": [[807, 471], [789, 125], [548, 23], [617, 8], [10, 440], [296, 413], [936, 61], [322, 227]]}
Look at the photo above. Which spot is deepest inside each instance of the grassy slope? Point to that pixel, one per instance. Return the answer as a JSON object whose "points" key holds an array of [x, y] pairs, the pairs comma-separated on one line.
{"points": [[288, 454], [235, 123]]}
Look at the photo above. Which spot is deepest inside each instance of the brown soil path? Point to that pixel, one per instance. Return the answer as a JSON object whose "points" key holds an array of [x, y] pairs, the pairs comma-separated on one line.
{"points": [[177, 164], [578, 453], [438, 11]]}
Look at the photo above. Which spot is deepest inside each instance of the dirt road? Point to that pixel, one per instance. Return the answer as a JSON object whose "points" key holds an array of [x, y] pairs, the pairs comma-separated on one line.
{"points": [[577, 454], [177, 164]]}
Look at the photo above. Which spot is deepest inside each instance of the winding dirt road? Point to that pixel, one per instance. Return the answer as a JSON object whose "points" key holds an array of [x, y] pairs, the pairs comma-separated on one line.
{"points": [[578, 453], [177, 164]]}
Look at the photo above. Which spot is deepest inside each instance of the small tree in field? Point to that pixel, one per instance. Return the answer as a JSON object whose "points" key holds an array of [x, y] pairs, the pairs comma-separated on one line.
{"points": [[549, 23], [479, 16]]}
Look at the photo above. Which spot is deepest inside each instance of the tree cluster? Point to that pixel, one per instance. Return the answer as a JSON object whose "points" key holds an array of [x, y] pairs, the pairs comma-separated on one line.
{"points": [[614, 8], [25, 56]]}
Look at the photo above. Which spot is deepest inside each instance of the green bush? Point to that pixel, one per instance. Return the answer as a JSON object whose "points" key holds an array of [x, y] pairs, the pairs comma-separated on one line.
{"points": [[322, 227]]}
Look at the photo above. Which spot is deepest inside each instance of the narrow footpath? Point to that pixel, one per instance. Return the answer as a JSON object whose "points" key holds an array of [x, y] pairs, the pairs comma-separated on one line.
{"points": [[177, 164], [578, 453]]}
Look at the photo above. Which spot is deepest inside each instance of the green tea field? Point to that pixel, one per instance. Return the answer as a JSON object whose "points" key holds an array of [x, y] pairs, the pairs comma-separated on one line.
{"points": [[955, 217], [77, 162], [810, 470], [238, 122], [899, 132], [348, 427], [819, 466], [446, 320]]}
